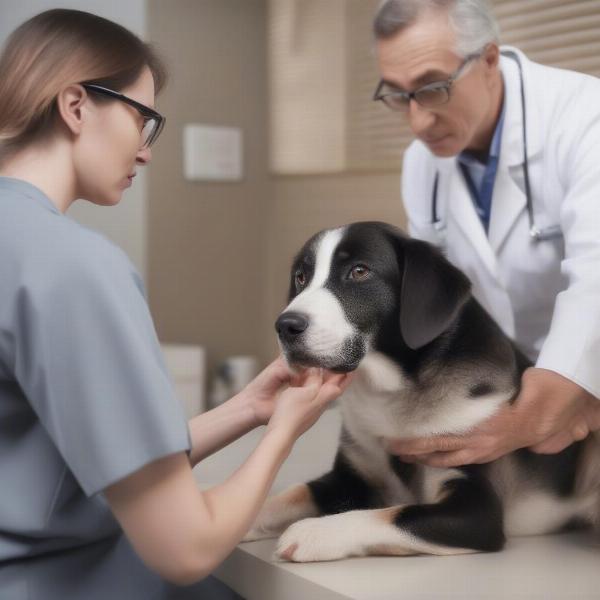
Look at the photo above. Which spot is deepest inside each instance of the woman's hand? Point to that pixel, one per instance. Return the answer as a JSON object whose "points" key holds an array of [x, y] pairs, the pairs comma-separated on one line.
{"points": [[264, 389], [300, 405], [550, 413]]}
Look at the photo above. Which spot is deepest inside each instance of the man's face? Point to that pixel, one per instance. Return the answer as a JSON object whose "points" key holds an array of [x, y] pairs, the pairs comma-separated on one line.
{"points": [[425, 53]]}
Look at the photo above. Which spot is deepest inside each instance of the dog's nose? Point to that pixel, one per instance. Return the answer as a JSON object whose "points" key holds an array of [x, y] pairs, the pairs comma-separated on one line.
{"points": [[291, 324]]}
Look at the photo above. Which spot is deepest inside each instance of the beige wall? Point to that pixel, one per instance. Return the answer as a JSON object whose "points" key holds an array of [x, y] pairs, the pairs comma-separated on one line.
{"points": [[219, 254], [206, 239]]}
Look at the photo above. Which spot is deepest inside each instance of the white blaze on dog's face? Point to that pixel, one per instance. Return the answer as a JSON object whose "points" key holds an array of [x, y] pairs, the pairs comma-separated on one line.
{"points": [[340, 293], [313, 329]]}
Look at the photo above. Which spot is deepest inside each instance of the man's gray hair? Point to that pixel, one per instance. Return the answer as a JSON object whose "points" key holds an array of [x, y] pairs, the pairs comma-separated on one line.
{"points": [[472, 20]]}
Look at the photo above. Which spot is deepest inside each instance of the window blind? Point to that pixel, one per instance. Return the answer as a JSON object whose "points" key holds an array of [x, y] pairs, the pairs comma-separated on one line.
{"points": [[375, 136], [560, 33], [323, 74], [307, 74]]}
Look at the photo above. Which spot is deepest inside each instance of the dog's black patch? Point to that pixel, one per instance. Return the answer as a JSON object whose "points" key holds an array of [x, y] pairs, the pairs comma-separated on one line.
{"points": [[343, 489], [405, 471], [481, 389], [553, 472], [469, 517]]}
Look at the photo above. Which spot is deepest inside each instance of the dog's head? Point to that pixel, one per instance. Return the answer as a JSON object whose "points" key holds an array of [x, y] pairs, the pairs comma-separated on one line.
{"points": [[367, 286]]}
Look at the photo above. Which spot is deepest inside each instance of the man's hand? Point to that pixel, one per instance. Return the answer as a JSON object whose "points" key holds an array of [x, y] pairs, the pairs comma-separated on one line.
{"points": [[550, 413]]}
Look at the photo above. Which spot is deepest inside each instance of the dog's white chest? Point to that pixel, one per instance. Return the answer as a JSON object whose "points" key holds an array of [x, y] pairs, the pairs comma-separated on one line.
{"points": [[387, 404]]}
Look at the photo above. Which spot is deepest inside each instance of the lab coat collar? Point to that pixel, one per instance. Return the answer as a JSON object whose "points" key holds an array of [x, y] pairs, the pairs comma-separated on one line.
{"points": [[509, 200], [506, 191], [462, 212]]}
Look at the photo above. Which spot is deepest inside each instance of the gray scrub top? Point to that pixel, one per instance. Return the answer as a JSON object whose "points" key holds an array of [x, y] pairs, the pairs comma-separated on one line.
{"points": [[85, 400]]}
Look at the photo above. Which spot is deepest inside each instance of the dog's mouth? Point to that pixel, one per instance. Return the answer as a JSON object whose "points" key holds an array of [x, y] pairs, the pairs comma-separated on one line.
{"points": [[344, 361], [307, 362]]}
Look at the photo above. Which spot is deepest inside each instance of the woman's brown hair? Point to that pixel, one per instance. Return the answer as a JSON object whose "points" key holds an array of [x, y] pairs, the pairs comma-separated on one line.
{"points": [[57, 48]]}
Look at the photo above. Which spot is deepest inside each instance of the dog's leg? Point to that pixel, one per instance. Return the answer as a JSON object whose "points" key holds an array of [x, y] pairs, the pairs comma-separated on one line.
{"points": [[339, 490], [466, 517], [279, 511]]}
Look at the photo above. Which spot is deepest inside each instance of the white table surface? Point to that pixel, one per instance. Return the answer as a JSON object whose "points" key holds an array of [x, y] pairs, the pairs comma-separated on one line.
{"points": [[558, 567]]}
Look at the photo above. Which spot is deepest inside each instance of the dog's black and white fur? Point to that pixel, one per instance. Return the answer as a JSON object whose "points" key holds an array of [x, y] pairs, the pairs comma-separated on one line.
{"points": [[428, 360]]}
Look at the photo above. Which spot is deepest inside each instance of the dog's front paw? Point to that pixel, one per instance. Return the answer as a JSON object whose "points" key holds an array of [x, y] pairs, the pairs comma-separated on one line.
{"points": [[315, 539], [279, 511], [257, 533]]}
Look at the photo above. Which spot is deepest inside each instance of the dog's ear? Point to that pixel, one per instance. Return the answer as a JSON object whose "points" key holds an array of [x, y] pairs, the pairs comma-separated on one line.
{"points": [[433, 292]]}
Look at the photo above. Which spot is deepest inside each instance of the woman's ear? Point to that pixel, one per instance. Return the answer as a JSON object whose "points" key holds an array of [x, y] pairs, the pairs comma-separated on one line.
{"points": [[71, 107], [432, 294]]}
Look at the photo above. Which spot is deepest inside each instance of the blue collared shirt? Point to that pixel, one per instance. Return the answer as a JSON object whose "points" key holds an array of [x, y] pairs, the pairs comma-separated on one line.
{"points": [[480, 176]]}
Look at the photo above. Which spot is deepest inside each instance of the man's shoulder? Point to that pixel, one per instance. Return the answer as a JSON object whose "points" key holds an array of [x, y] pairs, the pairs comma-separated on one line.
{"points": [[418, 157], [557, 82], [417, 149], [418, 175], [420, 164]]}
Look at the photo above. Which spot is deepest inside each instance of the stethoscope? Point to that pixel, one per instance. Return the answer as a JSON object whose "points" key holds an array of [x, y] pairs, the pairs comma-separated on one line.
{"points": [[537, 234]]}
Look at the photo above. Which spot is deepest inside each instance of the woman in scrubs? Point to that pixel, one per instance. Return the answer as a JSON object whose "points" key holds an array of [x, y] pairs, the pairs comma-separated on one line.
{"points": [[98, 497]]}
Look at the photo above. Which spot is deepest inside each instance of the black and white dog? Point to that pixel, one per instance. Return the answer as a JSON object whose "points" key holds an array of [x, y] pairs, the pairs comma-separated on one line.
{"points": [[428, 360]]}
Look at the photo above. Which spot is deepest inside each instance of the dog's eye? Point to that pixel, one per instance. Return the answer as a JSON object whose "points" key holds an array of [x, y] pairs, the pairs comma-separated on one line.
{"points": [[359, 272], [300, 278]]}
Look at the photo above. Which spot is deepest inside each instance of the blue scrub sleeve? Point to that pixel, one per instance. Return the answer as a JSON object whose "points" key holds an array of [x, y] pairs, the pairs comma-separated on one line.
{"points": [[88, 359]]}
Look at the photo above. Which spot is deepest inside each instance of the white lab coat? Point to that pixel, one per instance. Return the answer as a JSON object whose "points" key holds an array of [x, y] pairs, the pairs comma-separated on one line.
{"points": [[545, 295]]}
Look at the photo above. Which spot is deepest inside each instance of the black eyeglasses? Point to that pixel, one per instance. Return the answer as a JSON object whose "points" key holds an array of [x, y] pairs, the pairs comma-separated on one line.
{"points": [[153, 121], [432, 94]]}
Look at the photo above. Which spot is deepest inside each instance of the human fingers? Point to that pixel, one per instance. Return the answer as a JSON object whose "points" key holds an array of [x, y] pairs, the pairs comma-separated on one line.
{"points": [[311, 378], [591, 414], [280, 367], [445, 459], [554, 444], [301, 374], [579, 430], [272, 378], [419, 446], [333, 386], [341, 380], [279, 372]]}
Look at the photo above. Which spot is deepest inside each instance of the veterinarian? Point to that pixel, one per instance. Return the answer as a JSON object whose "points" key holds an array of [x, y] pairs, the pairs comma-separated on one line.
{"points": [[504, 177], [98, 497]]}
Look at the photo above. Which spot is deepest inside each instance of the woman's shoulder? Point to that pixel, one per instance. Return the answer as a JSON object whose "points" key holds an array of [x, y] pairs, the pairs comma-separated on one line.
{"points": [[44, 250], [88, 246], [83, 257]]}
